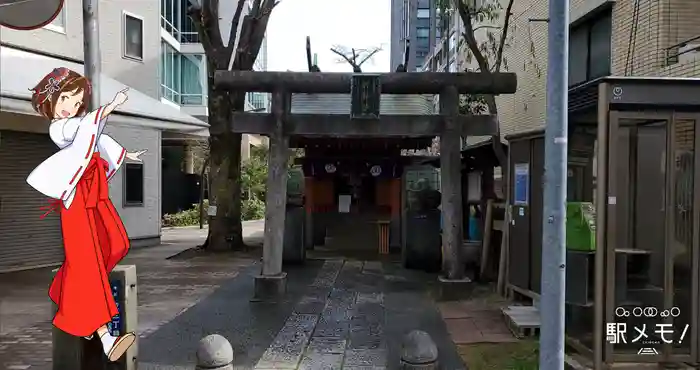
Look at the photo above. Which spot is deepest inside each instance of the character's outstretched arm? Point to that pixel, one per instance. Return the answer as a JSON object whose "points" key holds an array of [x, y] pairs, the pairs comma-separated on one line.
{"points": [[115, 155], [118, 100]]}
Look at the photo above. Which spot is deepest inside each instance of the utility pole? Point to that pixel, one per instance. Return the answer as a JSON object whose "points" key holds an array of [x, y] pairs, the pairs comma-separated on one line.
{"points": [[91, 50], [555, 169]]}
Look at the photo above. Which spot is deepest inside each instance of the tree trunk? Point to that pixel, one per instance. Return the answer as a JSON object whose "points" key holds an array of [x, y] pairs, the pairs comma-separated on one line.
{"points": [[225, 230], [496, 138]]}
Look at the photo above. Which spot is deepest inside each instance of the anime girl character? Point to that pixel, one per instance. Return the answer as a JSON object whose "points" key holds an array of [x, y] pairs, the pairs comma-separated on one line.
{"points": [[76, 177]]}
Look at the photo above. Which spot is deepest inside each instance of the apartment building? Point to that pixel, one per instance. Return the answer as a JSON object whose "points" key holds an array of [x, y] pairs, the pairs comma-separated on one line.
{"points": [[607, 37], [414, 23], [184, 77], [130, 53]]}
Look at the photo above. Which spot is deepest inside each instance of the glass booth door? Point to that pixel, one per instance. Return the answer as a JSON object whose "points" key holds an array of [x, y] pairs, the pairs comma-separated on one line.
{"points": [[651, 264]]}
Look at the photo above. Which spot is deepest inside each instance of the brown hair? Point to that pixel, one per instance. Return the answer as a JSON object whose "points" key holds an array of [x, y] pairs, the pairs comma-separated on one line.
{"points": [[49, 89]]}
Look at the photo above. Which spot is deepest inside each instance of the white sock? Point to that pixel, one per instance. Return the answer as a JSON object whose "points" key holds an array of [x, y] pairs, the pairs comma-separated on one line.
{"points": [[108, 342]]}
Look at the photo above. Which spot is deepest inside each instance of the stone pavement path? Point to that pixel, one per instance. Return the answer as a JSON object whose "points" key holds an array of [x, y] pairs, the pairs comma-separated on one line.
{"points": [[353, 317], [473, 322], [337, 314]]}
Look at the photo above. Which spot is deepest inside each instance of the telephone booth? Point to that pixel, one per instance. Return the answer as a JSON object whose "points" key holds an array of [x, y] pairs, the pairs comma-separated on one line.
{"points": [[647, 237]]}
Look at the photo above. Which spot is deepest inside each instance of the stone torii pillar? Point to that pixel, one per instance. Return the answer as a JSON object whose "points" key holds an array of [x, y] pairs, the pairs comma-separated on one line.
{"points": [[272, 281], [451, 186]]}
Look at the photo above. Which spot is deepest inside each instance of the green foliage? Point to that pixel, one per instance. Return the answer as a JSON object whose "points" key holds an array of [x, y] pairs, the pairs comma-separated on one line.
{"points": [[189, 217], [483, 42], [252, 209], [254, 174], [253, 180]]}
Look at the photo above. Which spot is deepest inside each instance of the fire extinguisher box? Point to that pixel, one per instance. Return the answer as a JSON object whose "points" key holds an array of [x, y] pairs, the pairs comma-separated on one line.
{"points": [[78, 353]]}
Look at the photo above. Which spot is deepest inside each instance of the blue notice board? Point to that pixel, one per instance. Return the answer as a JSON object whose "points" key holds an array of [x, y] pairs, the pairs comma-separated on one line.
{"points": [[521, 187], [115, 326]]}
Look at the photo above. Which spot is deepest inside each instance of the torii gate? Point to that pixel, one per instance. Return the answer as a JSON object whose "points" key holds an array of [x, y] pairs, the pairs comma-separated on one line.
{"points": [[364, 121]]}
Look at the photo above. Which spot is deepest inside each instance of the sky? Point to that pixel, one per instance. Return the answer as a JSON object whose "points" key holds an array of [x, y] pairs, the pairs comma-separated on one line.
{"points": [[350, 23]]}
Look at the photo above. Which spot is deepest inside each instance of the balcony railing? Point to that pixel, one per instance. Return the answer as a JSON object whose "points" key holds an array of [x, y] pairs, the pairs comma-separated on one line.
{"points": [[185, 37], [193, 99], [674, 52], [190, 38], [183, 99]]}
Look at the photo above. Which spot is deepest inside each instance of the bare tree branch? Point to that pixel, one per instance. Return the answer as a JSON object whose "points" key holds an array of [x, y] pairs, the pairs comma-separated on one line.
{"points": [[469, 38], [342, 55], [234, 27], [369, 55], [352, 55], [210, 19], [195, 13], [486, 27], [504, 35]]}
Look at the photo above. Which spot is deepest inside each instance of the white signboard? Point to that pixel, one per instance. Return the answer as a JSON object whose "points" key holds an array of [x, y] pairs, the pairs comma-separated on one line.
{"points": [[211, 211], [344, 203]]}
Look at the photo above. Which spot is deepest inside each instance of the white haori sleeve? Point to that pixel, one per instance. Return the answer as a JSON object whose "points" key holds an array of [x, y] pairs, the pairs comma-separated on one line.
{"points": [[111, 152], [57, 176]]}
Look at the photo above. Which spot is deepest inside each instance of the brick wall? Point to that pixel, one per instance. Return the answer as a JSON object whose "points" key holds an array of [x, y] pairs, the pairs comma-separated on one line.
{"points": [[661, 24]]}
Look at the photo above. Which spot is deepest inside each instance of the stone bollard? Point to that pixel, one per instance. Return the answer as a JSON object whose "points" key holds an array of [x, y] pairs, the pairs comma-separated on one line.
{"points": [[214, 352], [419, 352], [76, 353]]}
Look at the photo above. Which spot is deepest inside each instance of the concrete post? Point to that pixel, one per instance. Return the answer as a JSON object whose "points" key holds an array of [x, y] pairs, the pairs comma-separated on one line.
{"points": [[214, 353], [91, 50], [272, 282], [188, 159], [552, 308], [77, 353]]}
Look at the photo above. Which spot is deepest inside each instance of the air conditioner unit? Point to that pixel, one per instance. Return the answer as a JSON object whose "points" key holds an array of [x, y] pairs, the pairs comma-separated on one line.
{"points": [[688, 53]]}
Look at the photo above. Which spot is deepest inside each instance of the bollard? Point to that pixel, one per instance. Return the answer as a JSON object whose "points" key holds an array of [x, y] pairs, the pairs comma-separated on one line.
{"points": [[418, 352], [214, 353], [77, 353]]}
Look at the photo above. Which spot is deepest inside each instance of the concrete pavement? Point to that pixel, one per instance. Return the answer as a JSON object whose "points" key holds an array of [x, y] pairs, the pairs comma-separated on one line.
{"points": [[338, 313], [166, 289]]}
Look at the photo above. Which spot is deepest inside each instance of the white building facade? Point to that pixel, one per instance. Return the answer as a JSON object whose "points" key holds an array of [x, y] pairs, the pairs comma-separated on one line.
{"points": [[130, 41]]}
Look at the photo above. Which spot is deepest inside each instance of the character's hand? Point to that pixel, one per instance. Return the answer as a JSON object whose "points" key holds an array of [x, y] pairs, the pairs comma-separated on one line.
{"points": [[121, 97], [135, 156]]}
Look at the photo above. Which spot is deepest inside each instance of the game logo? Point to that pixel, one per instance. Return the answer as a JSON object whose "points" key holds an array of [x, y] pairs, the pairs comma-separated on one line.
{"points": [[646, 329]]}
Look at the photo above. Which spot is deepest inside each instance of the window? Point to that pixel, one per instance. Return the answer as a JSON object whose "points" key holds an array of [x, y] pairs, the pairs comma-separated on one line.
{"points": [[422, 32], [423, 13], [600, 45], [578, 55], [193, 79], [182, 76], [590, 50], [133, 37], [133, 184], [175, 21]]}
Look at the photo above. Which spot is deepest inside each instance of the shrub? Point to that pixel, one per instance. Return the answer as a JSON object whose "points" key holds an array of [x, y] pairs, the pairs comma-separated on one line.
{"points": [[188, 217], [252, 209]]}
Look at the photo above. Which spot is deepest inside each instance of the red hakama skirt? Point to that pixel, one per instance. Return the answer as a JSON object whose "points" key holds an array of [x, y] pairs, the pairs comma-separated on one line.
{"points": [[94, 241]]}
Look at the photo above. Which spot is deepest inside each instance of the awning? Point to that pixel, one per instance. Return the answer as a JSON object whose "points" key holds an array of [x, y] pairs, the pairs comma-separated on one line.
{"points": [[20, 70]]}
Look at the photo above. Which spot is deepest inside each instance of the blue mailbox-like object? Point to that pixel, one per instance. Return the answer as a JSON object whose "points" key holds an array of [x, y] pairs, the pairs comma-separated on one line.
{"points": [[115, 326]]}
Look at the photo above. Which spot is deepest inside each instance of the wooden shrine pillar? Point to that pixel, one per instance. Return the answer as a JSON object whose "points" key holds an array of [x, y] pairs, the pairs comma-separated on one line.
{"points": [[451, 179], [272, 281]]}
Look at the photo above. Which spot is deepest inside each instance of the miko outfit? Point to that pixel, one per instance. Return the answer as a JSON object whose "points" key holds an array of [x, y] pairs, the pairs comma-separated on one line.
{"points": [[94, 236]]}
